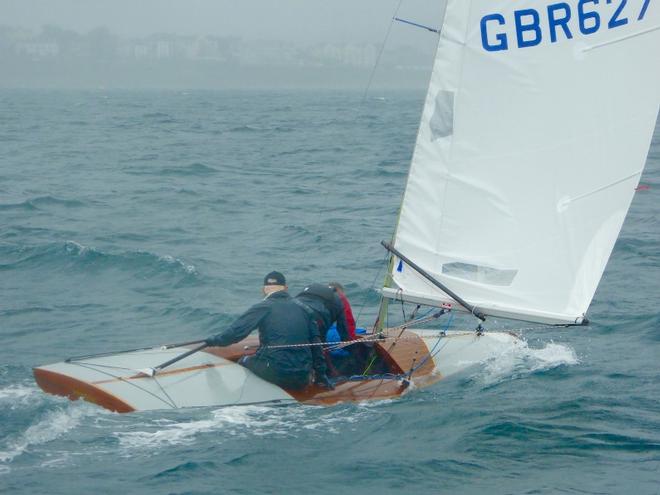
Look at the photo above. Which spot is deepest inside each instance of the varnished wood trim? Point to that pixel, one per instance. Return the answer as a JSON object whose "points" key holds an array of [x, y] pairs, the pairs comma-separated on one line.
{"points": [[162, 373], [357, 391], [406, 353], [59, 384]]}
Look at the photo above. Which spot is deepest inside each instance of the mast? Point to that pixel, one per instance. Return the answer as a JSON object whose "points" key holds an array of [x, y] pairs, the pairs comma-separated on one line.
{"points": [[387, 283]]}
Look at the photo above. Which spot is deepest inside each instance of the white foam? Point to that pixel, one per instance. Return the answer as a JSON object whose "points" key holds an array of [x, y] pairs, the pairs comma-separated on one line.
{"points": [[176, 261], [50, 427], [17, 393], [239, 421], [523, 359], [231, 420], [76, 248]]}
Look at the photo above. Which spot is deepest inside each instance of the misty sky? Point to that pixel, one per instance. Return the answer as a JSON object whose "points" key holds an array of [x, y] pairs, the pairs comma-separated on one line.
{"points": [[344, 21]]}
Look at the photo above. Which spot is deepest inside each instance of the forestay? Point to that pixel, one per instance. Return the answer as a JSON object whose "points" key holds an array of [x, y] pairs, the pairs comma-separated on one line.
{"points": [[534, 134]]}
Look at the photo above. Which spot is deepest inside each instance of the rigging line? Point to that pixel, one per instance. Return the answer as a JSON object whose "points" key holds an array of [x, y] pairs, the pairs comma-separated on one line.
{"points": [[433, 350], [541, 327], [373, 359], [165, 392], [380, 54], [240, 397], [163, 347], [381, 265], [472, 309], [413, 315], [376, 337], [359, 107], [108, 366], [428, 28], [383, 311], [125, 381], [419, 126]]}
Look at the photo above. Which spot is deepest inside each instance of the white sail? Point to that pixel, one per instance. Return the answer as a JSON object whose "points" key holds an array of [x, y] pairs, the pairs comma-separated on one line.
{"points": [[534, 134]]}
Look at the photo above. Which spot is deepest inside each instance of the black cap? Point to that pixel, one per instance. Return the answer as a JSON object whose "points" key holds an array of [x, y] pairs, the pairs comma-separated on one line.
{"points": [[274, 278]]}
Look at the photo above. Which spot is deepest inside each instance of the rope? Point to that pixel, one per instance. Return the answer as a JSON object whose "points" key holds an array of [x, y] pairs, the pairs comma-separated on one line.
{"points": [[376, 337], [357, 115], [433, 352], [381, 265], [402, 328], [133, 384], [163, 347], [542, 327], [373, 359], [108, 366], [380, 54], [165, 392]]}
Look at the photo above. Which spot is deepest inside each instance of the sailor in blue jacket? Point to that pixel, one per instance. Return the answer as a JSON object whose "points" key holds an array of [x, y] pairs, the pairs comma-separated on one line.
{"points": [[281, 322]]}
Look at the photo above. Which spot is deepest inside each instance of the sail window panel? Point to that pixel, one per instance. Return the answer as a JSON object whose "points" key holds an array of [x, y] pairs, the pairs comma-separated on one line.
{"points": [[479, 273], [441, 123]]}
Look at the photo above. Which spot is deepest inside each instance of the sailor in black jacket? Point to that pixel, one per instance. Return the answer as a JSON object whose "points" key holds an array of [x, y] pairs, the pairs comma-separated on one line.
{"points": [[281, 322], [327, 307]]}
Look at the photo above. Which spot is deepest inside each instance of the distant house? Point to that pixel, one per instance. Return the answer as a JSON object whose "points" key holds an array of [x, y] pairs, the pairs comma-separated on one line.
{"points": [[38, 49]]}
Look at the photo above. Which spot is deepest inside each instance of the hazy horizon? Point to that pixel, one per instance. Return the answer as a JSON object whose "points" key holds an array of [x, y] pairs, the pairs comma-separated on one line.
{"points": [[291, 20], [257, 43]]}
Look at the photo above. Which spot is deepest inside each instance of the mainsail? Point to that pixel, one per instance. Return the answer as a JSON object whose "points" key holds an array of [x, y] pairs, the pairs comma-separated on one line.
{"points": [[534, 134]]}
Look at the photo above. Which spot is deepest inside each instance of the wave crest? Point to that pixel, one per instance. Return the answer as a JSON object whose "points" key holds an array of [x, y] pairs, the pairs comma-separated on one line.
{"points": [[42, 202], [524, 360], [73, 254], [53, 425]]}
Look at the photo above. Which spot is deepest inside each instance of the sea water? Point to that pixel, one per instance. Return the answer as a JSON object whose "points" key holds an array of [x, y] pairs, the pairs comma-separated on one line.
{"points": [[137, 218]]}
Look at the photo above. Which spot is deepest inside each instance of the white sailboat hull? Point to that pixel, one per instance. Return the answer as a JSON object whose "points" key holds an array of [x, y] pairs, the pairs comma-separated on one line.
{"points": [[205, 378], [457, 351]]}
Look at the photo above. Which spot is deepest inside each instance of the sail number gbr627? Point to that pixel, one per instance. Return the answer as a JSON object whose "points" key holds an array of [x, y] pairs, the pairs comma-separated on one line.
{"points": [[561, 19]]}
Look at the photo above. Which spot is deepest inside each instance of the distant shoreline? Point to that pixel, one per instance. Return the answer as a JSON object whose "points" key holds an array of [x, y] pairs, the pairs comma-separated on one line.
{"points": [[199, 75]]}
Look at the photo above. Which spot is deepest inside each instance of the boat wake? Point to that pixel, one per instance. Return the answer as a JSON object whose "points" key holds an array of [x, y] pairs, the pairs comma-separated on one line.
{"points": [[523, 360], [237, 422], [15, 395], [51, 426]]}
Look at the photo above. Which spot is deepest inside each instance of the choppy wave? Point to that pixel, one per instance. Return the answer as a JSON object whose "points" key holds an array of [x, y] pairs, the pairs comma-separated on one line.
{"points": [[252, 128], [240, 421], [523, 360], [194, 169], [14, 394], [42, 203], [189, 468], [159, 118], [246, 128], [74, 254], [51, 426], [577, 414]]}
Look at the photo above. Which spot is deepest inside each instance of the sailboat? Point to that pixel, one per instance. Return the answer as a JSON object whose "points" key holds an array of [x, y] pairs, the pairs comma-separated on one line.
{"points": [[533, 137]]}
